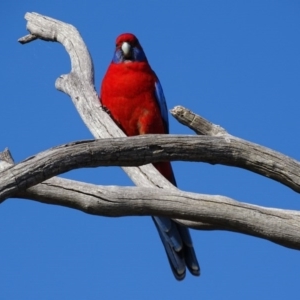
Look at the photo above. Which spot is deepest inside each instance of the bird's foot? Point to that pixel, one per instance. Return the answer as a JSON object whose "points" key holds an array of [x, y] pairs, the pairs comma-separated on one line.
{"points": [[106, 110]]}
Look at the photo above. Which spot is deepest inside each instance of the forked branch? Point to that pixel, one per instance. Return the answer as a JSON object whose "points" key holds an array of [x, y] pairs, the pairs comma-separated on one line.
{"points": [[27, 179]]}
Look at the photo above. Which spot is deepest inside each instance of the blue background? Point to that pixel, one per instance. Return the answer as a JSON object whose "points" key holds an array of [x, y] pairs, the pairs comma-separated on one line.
{"points": [[235, 63]]}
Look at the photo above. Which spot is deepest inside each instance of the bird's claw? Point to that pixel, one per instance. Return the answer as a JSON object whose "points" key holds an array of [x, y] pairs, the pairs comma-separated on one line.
{"points": [[106, 110]]}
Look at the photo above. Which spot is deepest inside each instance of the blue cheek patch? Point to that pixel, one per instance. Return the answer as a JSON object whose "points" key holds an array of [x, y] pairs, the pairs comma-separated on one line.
{"points": [[139, 55], [118, 57]]}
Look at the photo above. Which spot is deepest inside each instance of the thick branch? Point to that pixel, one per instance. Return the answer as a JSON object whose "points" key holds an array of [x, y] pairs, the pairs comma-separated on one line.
{"points": [[148, 149], [276, 225], [279, 226]]}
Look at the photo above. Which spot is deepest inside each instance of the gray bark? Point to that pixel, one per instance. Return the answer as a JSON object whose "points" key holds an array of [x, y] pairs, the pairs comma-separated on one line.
{"points": [[154, 194], [194, 210], [140, 150]]}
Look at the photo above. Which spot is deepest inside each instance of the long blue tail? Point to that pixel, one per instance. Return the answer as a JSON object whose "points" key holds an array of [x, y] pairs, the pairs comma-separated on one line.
{"points": [[179, 247]]}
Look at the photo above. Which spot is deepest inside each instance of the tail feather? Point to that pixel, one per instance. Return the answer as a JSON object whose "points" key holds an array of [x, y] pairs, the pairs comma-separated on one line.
{"points": [[170, 233], [175, 237], [185, 234], [175, 258], [191, 261], [189, 252], [178, 246], [165, 224]]}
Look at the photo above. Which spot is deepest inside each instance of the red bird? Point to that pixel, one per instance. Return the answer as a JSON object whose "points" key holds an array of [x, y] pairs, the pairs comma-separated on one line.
{"points": [[133, 95]]}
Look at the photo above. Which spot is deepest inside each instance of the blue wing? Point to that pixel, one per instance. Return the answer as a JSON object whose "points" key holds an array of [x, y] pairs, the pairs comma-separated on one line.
{"points": [[160, 97]]}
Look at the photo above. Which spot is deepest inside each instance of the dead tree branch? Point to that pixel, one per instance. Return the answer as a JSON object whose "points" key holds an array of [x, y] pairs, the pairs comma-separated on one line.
{"points": [[134, 151], [27, 179], [276, 225], [79, 85]]}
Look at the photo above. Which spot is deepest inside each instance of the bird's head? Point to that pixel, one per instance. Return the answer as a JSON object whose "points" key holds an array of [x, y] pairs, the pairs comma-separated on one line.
{"points": [[128, 49]]}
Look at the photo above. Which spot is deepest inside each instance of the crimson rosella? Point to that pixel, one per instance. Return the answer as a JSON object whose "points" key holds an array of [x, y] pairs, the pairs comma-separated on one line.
{"points": [[132, 94]]}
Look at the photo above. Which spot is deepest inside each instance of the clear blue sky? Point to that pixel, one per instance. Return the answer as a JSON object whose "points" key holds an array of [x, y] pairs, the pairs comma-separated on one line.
{"points": [[235, 63]]}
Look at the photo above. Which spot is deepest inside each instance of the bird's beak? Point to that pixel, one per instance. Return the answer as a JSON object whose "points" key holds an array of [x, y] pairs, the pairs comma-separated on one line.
{"points": [[126, 49]]}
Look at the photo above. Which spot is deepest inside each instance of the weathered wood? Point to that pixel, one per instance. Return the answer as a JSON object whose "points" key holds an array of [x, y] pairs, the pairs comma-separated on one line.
{"points": [[79, 85], [140, 150], [276, 225], [280, 226], [6, 160], [196, 123]]}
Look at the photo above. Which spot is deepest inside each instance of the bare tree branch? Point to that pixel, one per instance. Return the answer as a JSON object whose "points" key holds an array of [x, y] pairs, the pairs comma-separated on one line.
{"points": [[279, 226], [27, 39], [140, 150], [276, 225], [79, 85], [196, 123]]}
